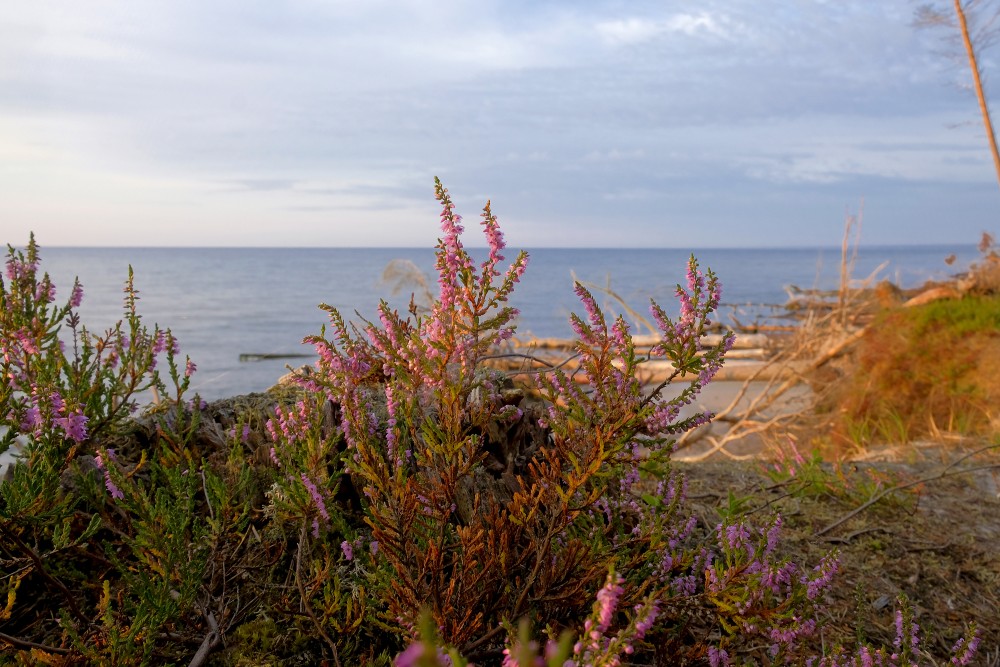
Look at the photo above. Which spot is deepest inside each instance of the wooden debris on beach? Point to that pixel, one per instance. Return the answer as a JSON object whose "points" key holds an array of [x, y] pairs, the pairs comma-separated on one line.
{"points": [[750, 357], [264, 356]]}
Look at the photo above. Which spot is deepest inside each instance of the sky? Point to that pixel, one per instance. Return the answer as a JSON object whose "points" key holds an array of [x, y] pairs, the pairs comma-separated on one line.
{"points": [[730, 123]]}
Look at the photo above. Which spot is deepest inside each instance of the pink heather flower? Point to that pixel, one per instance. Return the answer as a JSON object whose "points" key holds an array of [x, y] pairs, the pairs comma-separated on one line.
{"points": [[646, 622], [57, 403], [112, 489], [20, 269], [594, 314], [532, 648], [390, 428], [411, 657], [773, 533], [27, 342], [607, 601], [159, 342], [317, 498], [76, 296], [735, 536], [243, 434], [825, 572], [32, 420], [620, 333], [189, 368], [494, 237], [373, 547], [45, 291], [348, 550], [717, 657], [904, 631], [74, 425], [970, 651]]}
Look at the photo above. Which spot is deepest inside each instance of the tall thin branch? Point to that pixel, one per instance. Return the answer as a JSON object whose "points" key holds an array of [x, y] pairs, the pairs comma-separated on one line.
{"points": [[970, 50]]}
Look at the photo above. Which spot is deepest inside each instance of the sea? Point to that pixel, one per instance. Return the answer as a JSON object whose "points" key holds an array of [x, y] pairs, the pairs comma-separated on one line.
{"points": [[241, 313]]}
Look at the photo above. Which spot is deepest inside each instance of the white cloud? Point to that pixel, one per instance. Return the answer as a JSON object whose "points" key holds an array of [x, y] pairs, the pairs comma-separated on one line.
{"points": [[615, 155], [636, 30]]}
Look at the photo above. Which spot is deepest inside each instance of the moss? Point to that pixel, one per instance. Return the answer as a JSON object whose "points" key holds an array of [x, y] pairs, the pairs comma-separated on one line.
{"points": [[956, 317]]}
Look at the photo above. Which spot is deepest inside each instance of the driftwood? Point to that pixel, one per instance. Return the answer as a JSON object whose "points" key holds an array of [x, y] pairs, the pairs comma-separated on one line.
{"points": [[744, 341]]}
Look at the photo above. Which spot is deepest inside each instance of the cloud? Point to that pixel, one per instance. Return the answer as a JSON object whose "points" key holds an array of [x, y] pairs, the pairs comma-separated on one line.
{"points": [[264, 184], [636, 30], [615, 155], [558, 111]]}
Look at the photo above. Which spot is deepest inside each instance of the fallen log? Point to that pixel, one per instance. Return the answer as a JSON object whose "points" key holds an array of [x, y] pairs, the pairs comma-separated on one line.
{"points": [[262, 356], [743, 341]]}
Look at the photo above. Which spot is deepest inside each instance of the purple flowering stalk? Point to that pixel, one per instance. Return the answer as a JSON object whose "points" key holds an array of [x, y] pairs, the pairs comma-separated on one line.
{"points": [[906, 648], [595, 647], [74, 392], [414, 402], [424, 650], [760, 595], [104, 460], [301, 450]]}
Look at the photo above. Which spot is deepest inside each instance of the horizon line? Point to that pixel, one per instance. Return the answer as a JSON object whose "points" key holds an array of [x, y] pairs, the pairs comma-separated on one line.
{"points": [[508, 248]]}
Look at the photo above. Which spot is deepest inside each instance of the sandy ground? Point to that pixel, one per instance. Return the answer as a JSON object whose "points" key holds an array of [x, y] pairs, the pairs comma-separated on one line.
{"points": [[720, 397]]}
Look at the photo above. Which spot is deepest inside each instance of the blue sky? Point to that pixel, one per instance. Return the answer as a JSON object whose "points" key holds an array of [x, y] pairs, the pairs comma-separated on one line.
{"points": [[626, 123]]}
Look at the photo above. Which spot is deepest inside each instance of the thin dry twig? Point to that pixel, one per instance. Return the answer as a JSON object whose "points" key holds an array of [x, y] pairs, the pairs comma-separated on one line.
{"points": [[947, 471], [305, 598], [24, 643]]}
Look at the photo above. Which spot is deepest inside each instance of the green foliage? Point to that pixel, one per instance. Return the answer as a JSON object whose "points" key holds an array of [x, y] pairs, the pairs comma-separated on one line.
{"points": [[67, 391], [815, 478], [952, 318]]}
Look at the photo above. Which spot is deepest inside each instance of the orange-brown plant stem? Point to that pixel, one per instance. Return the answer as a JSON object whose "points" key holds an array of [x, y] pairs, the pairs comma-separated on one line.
{"points": [[978, 83]]}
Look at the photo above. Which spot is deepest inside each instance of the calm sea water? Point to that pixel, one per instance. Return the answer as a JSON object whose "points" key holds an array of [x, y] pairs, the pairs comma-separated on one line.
{"points": [[224, 302]]}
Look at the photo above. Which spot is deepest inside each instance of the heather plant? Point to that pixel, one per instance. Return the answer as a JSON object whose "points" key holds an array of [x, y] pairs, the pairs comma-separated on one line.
{"points": [[813, 477], [479, 529], [65, 393]]}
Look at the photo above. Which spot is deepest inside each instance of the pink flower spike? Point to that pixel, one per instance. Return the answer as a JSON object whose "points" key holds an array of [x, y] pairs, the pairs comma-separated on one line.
{"points": [[115, 492], [607, 601], [317, 498], [76, 296]]}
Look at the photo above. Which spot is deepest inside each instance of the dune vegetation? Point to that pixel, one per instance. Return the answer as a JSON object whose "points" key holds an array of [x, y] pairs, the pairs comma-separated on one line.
{"points": [[405, 502]]}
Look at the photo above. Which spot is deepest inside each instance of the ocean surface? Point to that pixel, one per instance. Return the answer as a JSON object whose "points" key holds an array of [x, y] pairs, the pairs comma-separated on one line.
{"points": [[224, 302]]}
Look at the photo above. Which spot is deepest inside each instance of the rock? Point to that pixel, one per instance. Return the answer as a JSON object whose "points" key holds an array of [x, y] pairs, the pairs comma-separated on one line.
{"points": [[888, 294], [12, 455]]}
